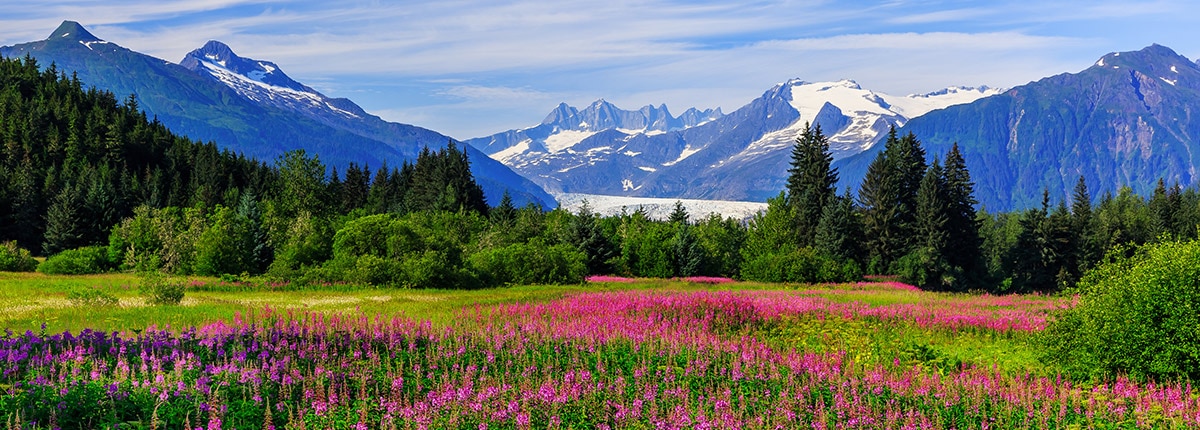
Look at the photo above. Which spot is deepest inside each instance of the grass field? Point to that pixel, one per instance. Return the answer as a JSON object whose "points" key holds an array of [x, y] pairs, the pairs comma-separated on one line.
{"points": [[649, 353]]}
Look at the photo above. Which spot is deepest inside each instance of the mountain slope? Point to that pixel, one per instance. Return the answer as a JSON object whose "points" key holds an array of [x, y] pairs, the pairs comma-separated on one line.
{"points": [[703, 154], [1129, 119], [246, 108]]}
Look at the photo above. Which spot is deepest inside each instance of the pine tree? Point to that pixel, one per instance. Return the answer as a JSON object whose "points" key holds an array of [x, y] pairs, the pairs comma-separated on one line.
{"points": [[1083, 227], [1081, 200], [687, 255], [257, 244], [442, 180], [931, 266], [889, 198], [910, 170], [505, 213], [64, 223], [379, 198], [880, 214], [585, 233], [679, 214], [839, 232], [355, 187], [811, 182], [964, 244]]}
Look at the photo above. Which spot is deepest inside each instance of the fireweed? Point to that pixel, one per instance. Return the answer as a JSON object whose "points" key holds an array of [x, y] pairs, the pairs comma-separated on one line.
{"points": [[604, 360]]}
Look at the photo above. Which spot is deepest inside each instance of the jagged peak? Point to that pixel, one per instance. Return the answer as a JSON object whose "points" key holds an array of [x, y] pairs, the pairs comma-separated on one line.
{"points": [[74, 31]]}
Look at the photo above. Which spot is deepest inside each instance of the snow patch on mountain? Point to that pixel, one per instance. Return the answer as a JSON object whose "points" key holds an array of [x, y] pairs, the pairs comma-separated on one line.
{"points": [[565, 139], [865, 115], [255, 89], [688, 151], [512, 151], [89, 43]]}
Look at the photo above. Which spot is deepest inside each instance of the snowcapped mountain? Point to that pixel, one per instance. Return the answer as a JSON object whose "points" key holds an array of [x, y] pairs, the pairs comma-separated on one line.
{"points": [[264, 82], [704, 154], [252, 107], [1129, 119], [572, 137]]}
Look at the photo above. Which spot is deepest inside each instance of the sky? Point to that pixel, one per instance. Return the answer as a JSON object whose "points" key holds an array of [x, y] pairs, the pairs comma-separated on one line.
{"points": [[469, 68]]}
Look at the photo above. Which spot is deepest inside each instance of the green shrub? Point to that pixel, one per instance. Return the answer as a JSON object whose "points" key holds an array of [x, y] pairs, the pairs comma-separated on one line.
{"points": [[79, 261], [15, 259], [91, 296], [160, 290], [531, 263], [1136, 316], [800, 265]]}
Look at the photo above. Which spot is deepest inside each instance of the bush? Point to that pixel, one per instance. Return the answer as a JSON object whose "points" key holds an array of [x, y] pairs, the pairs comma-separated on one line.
{"points": [[531, 263], [161, 291], [15, 259], [91, 296], [1136, 316], [80, 261], [800, 265]]}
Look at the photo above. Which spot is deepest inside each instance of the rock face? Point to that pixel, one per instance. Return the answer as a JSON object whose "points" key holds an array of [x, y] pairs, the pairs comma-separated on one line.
{"points": [[251, 106], [703, 154], [1128, 120]]}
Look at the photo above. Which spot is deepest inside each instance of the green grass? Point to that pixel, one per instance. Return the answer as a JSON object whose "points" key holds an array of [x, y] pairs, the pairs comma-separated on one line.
{"points": [[870, 342], [27, 300]]}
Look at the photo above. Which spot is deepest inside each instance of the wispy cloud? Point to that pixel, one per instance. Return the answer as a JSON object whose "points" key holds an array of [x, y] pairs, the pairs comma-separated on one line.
{"points": [[479, 92], [922, 42], [943, 16]]}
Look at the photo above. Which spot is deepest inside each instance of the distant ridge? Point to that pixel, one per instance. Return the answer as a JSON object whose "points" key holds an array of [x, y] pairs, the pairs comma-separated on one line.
{"points": [[707, 154], [1129, 119]]}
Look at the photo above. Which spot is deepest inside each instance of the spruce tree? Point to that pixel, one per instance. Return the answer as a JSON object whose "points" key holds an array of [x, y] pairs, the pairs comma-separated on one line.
{"points": [[811, 182], [679, 214], [64, 222], [879, 206], [686, 253], [964, 243], [839, 232], [379, 197], [888, 197], [910, 170], [505, 213], [585, 233], [1083, 227], [355, 187], [930, 266], [1081, 200]]}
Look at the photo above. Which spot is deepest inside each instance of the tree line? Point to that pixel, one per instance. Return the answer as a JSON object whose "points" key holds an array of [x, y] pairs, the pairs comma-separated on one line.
{"points": [[91, 180]]}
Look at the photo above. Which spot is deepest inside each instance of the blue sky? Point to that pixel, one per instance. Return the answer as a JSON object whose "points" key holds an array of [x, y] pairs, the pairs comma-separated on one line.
{"points": [[469, 68]]}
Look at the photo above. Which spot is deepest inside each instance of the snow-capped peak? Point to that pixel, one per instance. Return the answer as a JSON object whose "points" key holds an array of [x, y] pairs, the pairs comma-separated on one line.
{"points": [[263, 81]]}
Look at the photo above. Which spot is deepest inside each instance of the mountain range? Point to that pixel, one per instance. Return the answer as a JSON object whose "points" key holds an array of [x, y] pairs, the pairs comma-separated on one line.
{"points": [[253, 107], [1129, 119], [602, 149]]}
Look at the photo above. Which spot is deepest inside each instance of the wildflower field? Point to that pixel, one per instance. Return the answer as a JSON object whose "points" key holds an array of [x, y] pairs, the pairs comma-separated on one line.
{"points": [[612, 353]]}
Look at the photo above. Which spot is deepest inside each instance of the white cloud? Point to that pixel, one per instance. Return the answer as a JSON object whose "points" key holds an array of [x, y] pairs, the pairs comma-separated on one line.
{"points": [[479, 92], [1001, 41]]}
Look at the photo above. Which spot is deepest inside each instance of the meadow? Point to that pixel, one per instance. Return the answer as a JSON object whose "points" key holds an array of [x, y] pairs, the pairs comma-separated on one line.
{"points": [[612, 353]]}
